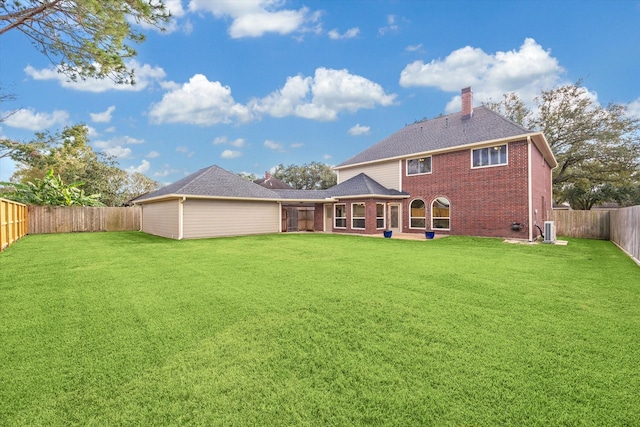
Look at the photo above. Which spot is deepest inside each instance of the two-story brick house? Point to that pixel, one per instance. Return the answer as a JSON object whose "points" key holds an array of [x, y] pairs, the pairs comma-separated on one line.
{"points": [[468, 173]]}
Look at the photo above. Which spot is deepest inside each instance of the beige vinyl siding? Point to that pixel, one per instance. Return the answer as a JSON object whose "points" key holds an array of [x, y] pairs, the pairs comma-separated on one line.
{"points": [[161, 218], [213, 218], [386, 173]]}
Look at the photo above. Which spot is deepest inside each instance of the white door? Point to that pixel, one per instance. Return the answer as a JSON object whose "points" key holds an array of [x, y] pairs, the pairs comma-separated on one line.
{"points": [[395, 217]]}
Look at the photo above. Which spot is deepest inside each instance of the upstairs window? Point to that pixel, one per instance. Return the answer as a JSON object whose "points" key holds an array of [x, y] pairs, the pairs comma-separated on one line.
{"points": [[419, 166], [489, 156]]}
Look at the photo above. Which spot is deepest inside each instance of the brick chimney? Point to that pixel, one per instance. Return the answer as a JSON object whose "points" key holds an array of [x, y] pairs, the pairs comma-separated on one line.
{"points": [[467, 103], [267, 175]]}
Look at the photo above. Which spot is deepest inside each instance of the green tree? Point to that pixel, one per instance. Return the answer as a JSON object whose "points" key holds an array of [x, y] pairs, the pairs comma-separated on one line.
{"points": [[51, 191], [69, 153], [310, 176], [597, 147], [89, 38]]}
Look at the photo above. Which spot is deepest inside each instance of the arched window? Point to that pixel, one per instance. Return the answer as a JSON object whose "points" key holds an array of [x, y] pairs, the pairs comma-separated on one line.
{"points": [[417, 214], [440, 214]]}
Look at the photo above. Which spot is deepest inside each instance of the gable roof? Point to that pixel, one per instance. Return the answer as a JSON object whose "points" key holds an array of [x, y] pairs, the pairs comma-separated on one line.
{"points": [[212, 181], [363, 185], [441, 133]]}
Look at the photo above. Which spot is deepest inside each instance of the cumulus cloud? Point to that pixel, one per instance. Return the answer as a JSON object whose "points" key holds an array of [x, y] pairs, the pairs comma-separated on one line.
{"points": [[231, 154], [28, 118], [152, 154], [116, 146], [349, 34], [238, 142], [391, 26], [359, 130], [254, 18], [104, 117], [145, 75], [414, 48], [275, 146], [142, 168], [633, 109], [525, 71], [323, 96], [198, 102], [185, 150]]}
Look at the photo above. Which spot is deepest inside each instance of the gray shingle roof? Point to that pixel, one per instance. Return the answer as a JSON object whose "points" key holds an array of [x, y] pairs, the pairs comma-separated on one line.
{"points": [[440, 133], [213, 182], [272, 183], [362, 184]]}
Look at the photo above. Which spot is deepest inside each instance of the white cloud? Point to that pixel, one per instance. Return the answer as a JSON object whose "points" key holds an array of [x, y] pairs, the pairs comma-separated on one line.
{"points": [[349, 34], [238, 142], [145, 75], [165, 171], [275, 146], [254, 18], [391, 25], [297, 145], [633, 109], [152, 155], [91, 132], [104, 117], [28, 118], [526, 71], [143, 167], [230, 154], [359, 130], [414, 48], [198, 102], [118, 152], [326, 157], [185, 150], [324, 96], [116, 146]]}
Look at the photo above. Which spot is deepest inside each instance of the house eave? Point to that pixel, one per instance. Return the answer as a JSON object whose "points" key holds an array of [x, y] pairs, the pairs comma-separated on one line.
{"points": [[540, 144], [199, 197]]}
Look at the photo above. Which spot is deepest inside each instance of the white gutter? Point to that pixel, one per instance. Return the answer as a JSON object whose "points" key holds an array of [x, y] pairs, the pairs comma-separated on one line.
{"points": [[529, 189]]}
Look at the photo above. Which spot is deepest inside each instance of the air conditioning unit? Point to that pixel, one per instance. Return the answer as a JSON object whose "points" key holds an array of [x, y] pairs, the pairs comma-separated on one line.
{"points": [[549, 232]]}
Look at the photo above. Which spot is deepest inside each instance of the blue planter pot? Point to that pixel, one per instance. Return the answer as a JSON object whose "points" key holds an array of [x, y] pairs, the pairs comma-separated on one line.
{"points": [[429, 234], [387, 234]]}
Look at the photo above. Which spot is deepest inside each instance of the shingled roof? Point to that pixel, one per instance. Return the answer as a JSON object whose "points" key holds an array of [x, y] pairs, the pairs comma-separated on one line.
{"points": [[363, 185], [212, 181], [441, 133]]}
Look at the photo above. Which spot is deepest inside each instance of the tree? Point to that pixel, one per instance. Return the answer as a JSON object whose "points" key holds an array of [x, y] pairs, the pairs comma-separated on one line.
{"points": [[51, 191], [310, 176], [89, 38], [69, 153], [597, 147]]}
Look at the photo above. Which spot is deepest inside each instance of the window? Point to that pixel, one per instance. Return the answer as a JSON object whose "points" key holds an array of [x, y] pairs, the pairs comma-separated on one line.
{"points": [[357, 215], [417, 214], [419, 166], [489, 156], [340, 217], [440, 214], [380, 211]]}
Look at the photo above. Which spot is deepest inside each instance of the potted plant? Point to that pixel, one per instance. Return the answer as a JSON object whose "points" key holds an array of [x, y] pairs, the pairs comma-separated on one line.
{"points": [[387, 233], [429, 234]]}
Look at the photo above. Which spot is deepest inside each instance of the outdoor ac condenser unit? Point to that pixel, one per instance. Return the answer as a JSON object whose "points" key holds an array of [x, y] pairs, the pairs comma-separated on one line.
{"points": [[549, 232]]}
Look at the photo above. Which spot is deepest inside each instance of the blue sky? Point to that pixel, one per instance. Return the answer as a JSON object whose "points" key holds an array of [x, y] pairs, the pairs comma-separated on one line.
{"points": [[248, 85]]}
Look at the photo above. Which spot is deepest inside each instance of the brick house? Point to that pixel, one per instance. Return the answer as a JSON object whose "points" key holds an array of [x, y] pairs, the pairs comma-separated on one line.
{"points": [[468, 173]]}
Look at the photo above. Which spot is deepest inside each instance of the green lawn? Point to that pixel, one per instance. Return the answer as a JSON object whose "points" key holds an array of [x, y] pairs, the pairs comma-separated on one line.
{"points": [[313, 329]]}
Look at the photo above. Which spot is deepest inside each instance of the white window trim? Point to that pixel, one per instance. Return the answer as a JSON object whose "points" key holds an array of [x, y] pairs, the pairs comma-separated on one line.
{"points": [[490, 166], [411, 227], [406, 166], [353, 217], [336, 217], [384, 216], [440, 217]]}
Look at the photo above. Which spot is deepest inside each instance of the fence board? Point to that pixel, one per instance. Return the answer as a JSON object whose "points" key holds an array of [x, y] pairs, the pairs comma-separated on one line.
{"points": [[625, 230], [77, 219], [594, 224], [13, 222]]}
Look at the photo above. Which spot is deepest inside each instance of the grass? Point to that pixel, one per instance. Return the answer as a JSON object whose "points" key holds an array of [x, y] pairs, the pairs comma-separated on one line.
{"points": [[130, 329]]}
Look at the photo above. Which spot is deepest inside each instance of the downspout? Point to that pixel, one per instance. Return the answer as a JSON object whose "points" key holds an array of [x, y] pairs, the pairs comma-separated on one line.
{"points": [[530, 189], [181, 217]]}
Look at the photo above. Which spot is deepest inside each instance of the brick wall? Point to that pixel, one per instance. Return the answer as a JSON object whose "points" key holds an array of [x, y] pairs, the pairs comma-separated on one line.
{"points": [[484, 201]]}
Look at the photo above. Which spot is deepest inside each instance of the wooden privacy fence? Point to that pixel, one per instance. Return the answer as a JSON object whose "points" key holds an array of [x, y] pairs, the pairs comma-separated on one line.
{"points": [[625, 230], [13, 222], [72, 219], [583, 224]]}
